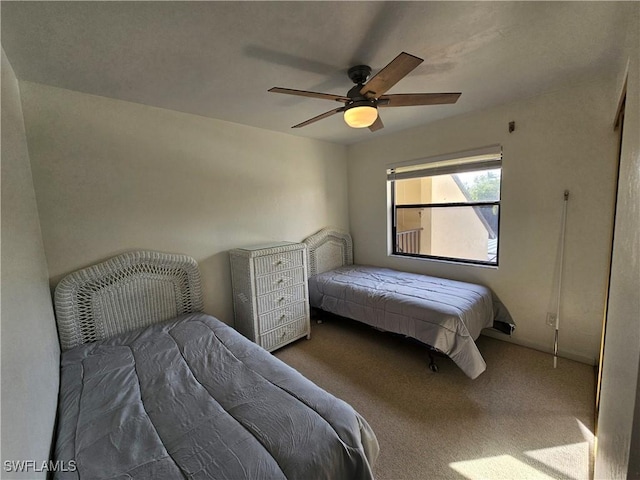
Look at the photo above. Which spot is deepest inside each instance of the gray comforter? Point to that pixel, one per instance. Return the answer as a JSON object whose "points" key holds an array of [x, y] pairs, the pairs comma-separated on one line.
{"points": [[445, 314], [192, 398]]}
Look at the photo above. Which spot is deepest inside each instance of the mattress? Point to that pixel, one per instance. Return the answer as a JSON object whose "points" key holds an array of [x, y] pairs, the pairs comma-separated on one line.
{"points": [[192, 398], [445, 314]]}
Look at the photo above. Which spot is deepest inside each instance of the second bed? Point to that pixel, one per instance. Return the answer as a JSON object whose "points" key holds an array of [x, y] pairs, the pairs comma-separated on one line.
{"points": [[444, 314]]}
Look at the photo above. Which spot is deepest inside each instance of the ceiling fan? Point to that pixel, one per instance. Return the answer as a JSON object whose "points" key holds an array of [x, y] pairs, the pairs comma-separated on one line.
{"points": [[362, 101]]}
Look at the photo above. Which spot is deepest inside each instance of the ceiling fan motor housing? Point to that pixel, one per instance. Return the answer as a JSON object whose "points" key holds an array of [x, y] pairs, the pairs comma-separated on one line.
{"points": [[359, 75], [357, 97], [354, 114]]}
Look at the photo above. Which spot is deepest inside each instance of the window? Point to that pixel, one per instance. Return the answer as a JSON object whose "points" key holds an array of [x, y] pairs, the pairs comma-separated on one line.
{"points": [[448, 207]]}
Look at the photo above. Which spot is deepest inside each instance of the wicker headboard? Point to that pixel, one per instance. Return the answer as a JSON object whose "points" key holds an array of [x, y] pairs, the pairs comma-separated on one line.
{"points": [[125, 293], [328, 249]]}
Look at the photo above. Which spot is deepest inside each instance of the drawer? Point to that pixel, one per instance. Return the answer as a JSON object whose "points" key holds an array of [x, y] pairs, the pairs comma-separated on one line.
{"points": [[277, 318], [280, 298], [280, 280], [285, 334], [278, 262]]}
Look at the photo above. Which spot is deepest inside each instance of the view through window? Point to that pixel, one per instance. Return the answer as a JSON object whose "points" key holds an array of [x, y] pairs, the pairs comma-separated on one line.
{"points": [[448, 208]]}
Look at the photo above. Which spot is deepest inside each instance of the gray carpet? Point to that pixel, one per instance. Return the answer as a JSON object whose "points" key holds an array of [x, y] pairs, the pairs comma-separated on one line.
{"points": [[520, 419]]}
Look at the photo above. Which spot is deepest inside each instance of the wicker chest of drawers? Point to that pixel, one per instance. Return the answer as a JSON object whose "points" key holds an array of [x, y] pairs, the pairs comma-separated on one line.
{"points": [[270, 294]]}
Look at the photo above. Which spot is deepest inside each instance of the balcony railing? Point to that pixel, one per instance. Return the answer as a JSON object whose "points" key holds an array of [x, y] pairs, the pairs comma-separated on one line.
{"points": [[408, 241]]}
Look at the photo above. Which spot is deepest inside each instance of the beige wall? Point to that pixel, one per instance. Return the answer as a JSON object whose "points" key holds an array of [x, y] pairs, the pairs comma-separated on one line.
{"points": [[29, 346], [563, 140], [446, 226], [618, 453], [112, 176], [410, 191]]}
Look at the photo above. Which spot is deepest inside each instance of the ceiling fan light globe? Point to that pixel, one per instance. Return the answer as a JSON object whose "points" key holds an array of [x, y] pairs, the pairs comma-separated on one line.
{"points": [[361, 117]]}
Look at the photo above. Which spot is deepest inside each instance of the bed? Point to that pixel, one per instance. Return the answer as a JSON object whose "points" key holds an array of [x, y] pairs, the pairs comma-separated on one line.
{"points": [[152, 388], [446, 315]]}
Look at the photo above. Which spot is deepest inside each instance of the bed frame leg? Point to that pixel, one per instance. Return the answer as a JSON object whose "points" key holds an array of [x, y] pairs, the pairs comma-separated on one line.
{"points": [[313, 314], [432, 362]]}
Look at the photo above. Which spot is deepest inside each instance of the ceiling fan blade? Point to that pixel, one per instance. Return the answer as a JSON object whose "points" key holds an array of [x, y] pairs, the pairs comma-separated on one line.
{"points": [[377, 125], [319, 117], [305, 93], [386, 78], [411, 99]]}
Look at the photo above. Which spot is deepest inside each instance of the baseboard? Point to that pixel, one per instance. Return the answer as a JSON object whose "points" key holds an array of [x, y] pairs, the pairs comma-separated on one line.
{"points": [[542, 348]]}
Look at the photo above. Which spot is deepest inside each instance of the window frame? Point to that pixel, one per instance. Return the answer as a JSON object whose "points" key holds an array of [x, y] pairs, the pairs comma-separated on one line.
{"points": [[416, 167]]}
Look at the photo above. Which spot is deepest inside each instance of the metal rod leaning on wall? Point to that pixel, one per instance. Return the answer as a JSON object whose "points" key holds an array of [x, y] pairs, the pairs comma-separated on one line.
{"points": [[561, 260]]}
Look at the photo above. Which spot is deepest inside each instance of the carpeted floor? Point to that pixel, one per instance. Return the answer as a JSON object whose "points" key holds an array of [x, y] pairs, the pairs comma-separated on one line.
{"points": [[520, 419]]}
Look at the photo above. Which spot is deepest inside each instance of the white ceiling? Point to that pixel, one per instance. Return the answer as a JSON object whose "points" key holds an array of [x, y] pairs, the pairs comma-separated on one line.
{"points": [[218, 59]]}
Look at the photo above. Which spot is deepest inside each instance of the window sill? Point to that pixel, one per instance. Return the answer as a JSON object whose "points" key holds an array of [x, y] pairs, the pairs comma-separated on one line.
{"points": [[443, 260]]}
